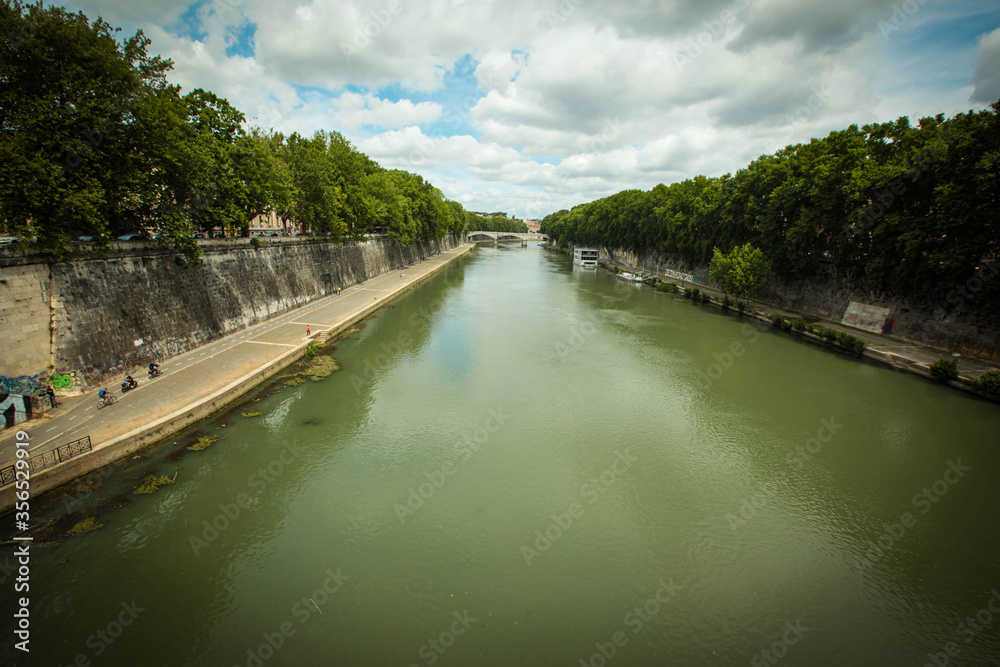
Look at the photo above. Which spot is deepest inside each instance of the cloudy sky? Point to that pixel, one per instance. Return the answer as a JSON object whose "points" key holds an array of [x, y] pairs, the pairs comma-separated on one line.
{"points": [[532, 106]]}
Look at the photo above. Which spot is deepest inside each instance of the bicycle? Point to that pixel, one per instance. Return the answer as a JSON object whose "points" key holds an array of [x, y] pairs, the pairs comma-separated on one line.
{"points": [[109, 399]]}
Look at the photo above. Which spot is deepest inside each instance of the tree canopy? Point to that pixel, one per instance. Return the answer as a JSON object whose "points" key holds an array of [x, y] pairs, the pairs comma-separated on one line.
{"points": [[495, 222], [95, 142], [744, 272], [911, 208]]}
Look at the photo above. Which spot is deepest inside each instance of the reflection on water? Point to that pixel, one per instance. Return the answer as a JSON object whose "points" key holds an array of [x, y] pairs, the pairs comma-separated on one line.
{"points": [[458, 494]]}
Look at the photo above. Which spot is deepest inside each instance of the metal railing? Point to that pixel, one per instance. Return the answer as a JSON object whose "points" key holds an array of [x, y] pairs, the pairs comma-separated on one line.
{"points": [[49, 458]]}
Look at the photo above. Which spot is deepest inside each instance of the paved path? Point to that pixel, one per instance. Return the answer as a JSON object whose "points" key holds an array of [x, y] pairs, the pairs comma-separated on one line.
{"points": [[903, 354], [193, 376]]}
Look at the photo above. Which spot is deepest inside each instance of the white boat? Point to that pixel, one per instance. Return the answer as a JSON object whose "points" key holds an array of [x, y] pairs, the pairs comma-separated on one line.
{"points": [[630, 277]]}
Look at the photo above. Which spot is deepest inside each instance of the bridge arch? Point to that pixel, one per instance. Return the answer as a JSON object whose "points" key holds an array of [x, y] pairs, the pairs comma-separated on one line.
{"points": [[480, 235]]}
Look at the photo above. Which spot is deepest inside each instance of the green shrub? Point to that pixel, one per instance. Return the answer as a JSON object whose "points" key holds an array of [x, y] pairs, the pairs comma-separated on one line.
{"points": [[255, 242], [740, 307], [726, 303], [669, 288], [827, 333], [799, 325], [851, 343], [989, 382], [694, 294], [780, 322], [944, 370]]}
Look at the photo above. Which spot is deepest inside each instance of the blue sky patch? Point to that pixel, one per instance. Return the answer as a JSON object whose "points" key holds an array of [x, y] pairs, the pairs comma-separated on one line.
{"points": [[241, 40], [189, 24]]}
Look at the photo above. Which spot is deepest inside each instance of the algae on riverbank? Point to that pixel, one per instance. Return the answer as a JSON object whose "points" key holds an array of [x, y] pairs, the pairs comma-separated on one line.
{"points": [[153, 484], [86, 526], [320, 367], [204, 442]]}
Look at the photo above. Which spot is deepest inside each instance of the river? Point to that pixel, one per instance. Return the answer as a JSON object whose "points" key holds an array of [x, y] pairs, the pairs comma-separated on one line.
{"points": [[525, 463]]}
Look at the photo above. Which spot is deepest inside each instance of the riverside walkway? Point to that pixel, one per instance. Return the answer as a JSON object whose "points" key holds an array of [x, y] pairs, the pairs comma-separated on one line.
{"points": [[195, 384], [898, 353]]}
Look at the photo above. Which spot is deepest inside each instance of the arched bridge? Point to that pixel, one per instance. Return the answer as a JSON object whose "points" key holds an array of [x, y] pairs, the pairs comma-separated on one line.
{"points": [[496, 237]]}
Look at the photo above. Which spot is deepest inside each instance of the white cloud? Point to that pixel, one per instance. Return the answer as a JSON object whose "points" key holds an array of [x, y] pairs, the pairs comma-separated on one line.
{"points": [[379, 43], [135, 12], [815, 26], [411, 149], [986, 77], [576, 99], [353, 110]]}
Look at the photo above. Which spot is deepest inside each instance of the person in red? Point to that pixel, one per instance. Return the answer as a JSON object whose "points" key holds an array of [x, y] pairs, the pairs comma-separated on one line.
{"points": [[308, 329]]}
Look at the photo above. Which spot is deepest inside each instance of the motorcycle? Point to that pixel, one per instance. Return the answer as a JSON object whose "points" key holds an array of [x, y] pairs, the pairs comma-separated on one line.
{"points": [[129, 384], [153, 373]]}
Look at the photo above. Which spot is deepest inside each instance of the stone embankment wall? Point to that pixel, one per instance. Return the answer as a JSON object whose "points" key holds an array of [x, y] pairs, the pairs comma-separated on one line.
{"points": [[948, 321], [79, 320]]}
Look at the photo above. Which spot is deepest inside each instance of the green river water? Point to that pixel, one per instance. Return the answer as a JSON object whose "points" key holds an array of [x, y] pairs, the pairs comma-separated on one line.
{"points": [[525, 463]]}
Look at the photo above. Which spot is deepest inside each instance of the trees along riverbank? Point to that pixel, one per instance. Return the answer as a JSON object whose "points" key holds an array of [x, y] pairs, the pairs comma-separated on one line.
{"points": [[907, 208], [97, 143]]}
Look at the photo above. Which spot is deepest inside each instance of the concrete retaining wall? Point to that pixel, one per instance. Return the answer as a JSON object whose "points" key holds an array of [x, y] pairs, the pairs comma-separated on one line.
{"points": [[25, 308], [93, 316], [947, 321]]}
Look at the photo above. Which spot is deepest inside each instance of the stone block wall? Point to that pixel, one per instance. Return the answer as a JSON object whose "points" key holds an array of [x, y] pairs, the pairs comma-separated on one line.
{"points": [[947, 321], [85, 316], [25, 336]]}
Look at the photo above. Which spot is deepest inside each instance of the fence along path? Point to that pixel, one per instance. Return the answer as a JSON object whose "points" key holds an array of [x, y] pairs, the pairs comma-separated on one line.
{"points": [[48, 459]]}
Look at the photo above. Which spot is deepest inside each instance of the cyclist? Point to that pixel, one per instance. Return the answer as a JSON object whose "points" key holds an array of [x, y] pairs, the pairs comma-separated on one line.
{"points": [[153, 367], [103, 393]]}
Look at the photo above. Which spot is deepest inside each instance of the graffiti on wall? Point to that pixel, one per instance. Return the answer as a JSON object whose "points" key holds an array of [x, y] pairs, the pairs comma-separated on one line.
{"points": [[921, 335], [95, 376], [677, 275], [24, 384], [62, 380], [15, 409], [975, 351], [865, 316]]}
